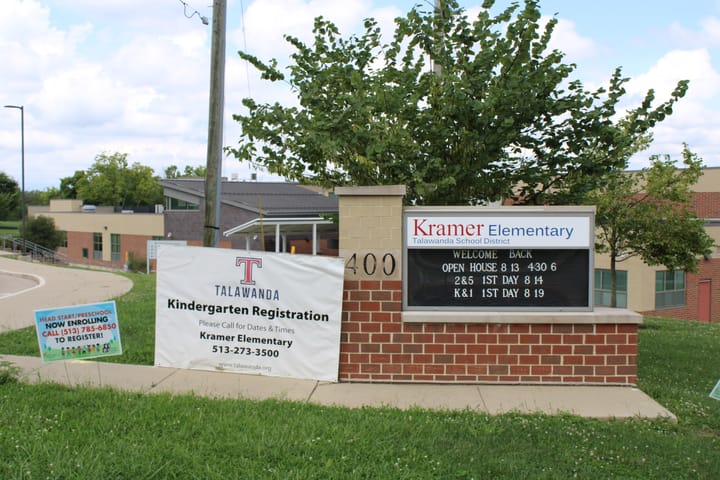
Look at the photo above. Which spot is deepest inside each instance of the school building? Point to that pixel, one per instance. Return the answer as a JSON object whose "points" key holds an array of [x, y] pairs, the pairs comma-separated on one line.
{"points": [[290, 217]]}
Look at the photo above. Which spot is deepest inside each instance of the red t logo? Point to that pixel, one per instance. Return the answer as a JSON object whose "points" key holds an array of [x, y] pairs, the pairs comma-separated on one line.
{"points": [[248, 263]]}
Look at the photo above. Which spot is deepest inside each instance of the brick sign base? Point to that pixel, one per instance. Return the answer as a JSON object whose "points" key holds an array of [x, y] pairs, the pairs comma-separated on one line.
{"points": [[377, 346]]}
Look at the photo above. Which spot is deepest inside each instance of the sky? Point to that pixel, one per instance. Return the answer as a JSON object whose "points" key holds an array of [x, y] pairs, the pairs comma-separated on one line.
{"points": [[133, 76]]}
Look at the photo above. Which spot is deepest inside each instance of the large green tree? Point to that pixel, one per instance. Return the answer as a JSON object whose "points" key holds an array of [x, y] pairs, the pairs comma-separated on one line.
{"points": [[9, 198], [461, 111], [174, 172], [42, 197], [111, 181], [69, 185], [649, 214]]}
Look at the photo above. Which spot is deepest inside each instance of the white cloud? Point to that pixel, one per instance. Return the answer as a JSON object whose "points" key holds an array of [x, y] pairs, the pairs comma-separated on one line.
{"points": [[693, 65], [567, 39], [696, 117], [267, 21], [133, 76], [88, 88], [31, 46], [707, 34], [80, 97]]}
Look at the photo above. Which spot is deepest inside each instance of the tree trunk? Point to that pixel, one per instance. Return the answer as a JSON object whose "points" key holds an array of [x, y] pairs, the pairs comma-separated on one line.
{"points": [[613, 278]]}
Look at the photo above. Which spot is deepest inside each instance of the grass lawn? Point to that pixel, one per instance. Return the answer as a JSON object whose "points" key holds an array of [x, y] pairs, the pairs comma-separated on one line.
{"points": [[51, 431], [10, 228]]}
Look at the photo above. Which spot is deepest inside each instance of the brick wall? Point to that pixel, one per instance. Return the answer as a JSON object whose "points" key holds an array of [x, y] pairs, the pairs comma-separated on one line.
{"points": [[708, 270], [77, 241], [377, 346], [706, 204]]}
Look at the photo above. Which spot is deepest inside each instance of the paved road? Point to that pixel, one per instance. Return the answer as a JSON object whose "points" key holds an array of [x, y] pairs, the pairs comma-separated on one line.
{"points": [[54, 287], [13, 284]]}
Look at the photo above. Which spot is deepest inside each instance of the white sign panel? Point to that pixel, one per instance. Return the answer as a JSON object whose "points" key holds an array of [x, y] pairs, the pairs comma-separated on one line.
{"points": [[152, 246], [248, 312], [540, 231]]}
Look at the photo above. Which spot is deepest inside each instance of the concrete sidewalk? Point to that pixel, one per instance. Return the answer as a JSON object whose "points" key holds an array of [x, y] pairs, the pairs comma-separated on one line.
{"points": [[51, 286], [585, 401]]}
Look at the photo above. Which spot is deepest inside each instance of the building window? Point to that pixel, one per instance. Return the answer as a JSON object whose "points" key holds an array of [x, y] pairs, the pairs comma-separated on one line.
{"points": [[669, 289], [63, 236], [603, 292], [97, 246], [177, 204], [115, 247], [85, 253]]}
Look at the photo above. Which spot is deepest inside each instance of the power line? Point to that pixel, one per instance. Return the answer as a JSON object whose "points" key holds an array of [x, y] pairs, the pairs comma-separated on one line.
{"points": [[203, 18]]}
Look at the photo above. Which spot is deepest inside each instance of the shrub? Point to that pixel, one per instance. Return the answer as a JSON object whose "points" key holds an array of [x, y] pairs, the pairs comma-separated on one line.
{"points": [[136, 264]]}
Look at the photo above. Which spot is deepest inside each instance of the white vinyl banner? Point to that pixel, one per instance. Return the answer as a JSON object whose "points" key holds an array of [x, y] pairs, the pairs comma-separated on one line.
{"points": [[249, 312]]}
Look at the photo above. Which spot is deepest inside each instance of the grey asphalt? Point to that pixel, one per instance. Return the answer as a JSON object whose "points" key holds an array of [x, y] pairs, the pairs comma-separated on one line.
{"points": [[26, 286]]}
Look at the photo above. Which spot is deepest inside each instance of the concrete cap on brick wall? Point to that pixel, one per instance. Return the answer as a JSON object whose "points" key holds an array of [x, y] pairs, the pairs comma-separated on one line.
{"points": [[375, 190]]}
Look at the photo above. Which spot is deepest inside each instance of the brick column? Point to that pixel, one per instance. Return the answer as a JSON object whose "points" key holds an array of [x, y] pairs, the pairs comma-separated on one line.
{"points": [[370, 238]]}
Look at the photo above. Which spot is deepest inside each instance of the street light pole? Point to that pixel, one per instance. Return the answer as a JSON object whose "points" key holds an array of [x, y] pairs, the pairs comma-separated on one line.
{"points": [[22, 169]]}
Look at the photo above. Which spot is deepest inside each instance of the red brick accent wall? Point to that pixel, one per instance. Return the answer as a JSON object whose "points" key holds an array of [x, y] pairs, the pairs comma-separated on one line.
{"points": [[707, 270], [376, 346], [76, 241], [706, 204]]}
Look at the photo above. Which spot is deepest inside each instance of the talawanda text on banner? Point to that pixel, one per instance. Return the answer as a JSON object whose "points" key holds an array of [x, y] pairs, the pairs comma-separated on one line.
{"points": [[78, 332], [250, 312]]}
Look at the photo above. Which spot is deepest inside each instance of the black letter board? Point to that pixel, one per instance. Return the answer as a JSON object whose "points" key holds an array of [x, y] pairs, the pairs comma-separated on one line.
{"points": [[535, 278]]}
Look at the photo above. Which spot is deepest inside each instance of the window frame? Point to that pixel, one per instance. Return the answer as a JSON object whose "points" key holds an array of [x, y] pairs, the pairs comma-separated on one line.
{"points": [[670, 290], [97, 242], [600, 292], [176, 204], [115, 250]]}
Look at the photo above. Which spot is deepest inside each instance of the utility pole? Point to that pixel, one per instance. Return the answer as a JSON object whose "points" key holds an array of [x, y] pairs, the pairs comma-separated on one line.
{"points": [[213, 175]]}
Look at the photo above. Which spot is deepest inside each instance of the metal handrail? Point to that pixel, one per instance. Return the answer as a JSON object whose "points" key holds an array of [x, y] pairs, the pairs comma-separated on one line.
{"points": [[37, 252]]}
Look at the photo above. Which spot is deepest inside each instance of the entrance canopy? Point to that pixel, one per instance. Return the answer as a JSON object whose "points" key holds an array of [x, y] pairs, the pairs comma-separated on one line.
{"points": [[282, 227]]}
